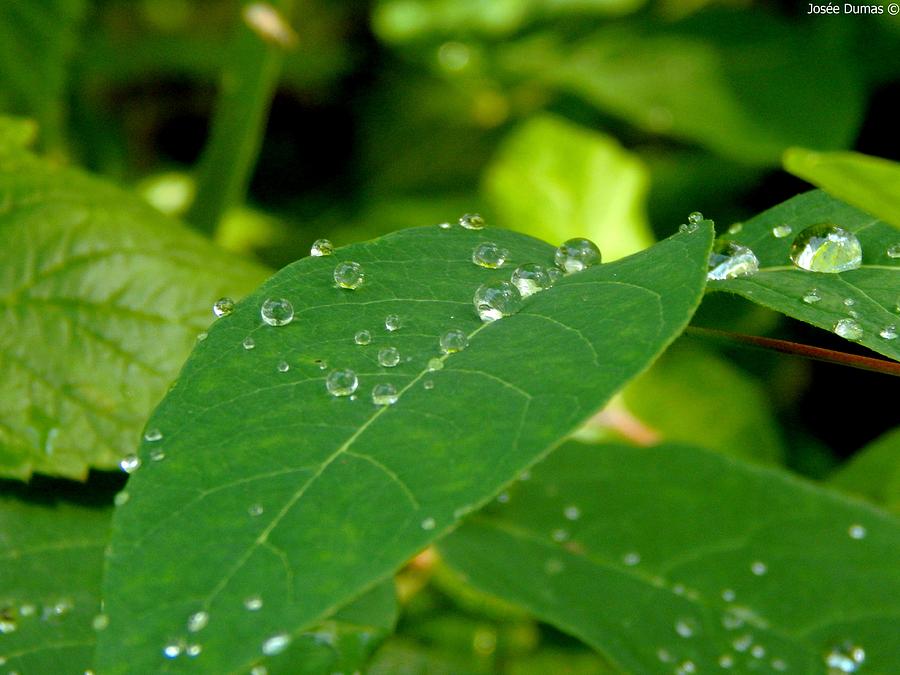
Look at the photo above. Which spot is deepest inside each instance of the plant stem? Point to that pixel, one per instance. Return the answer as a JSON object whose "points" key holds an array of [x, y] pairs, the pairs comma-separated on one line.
{"points": [[807, 351], [248, 83]]}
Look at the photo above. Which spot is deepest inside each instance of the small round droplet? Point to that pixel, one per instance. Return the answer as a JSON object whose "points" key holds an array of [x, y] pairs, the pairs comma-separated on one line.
{"points": [[553, 566], [812, 296], [384, 394], [153, 435], [349, 275], [849, 302], [277, 311], [157, 455], [223, 307], [435, 364], [429, 524], [736, 228], [392, 322], [857, 531], [253, 603], [826, 248], [729, 260], [202, 336], [472, 221], [197, 621], [259, 670], [193, 650], [100, 622], [388, 357], [283, 366], [686, 627], [759, 568], [742, 643], [686, 668], [728, 595], [173, 650], [121, 498], [454, 340], [130, 463], [503, 498], [496, 299], [848, 329], [781, 231], [489, 255], [341, 382], [445, 225], [362, 337], [572, 512], [249, 343], [276, 644], [428, 384], [531, 278], [631, 558], [321, 247], [889, 332], [664, 655], [844, 658], [576, 255], [757, 651], [726, 661], [778, 664], [695, 218], [559, 535], [893, 251], [255, 510]]}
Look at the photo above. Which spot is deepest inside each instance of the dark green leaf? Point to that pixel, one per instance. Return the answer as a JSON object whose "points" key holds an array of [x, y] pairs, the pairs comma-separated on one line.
{"points": [[874, 472], [874, 288], [659, 556], [102, 298], [349, 491]]}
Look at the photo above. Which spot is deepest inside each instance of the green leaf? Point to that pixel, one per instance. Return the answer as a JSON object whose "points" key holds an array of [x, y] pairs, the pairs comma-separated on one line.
{"points": [[102, 298], [50, 569], [349, 491], [874, 288], [874, 472], [555, 180], [16, 134], [566, 546], [868, 183]]}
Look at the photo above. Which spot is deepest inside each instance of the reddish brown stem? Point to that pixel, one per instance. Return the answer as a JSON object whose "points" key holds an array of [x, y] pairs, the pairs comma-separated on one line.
{"points": [[806, 351]]}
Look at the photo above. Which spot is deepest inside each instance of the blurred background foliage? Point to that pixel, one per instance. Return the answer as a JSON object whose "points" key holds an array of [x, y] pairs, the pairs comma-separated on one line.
{"points": [[606, 118]]}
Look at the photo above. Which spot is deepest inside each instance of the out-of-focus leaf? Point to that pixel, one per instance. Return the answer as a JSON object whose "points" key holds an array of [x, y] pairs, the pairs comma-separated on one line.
{"points": [[16, 134], [873, 289], [662, 556], [868, 183], [874, 472], [102, 298], [556, 180], [692, 395]]}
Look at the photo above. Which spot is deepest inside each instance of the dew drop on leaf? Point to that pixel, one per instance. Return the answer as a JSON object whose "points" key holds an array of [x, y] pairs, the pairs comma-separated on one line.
{"points": [[384, 394], [559, 535], [664, 655], [249, 343], [631, 558], [553, 566], [757, 651], [100, 622], [428, 524], [362, 337], [889, 332], [781, 231], [845, 657], [826, 248], [759, 568], [173, 650], [255, 510], [253, 603], [728, 595], [276, 644], [686, 667], [572, 512], [576, 255], [349, 275], [202, 336], [130, 463], [223, 307], [812, 296], [341, 382], [157, 455], [283, 366], [121, 498], [392, 322], [531, 278], [197, 621], [857, 531], [472, 221], [742, 643], [893, 251], [435, 364], [726, 661], [193, 650], [445, 225], [321, 247], [848, 329], [695, 217], [428, 384], [489, 255], [729, 260], [778, 664], [453, 340], [388, 357], [496, 299], [277, 311], [153, 435], [736, 228]]}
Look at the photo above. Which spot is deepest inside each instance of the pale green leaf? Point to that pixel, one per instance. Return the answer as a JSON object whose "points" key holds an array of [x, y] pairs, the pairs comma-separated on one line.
{"points": [[874, 472]]}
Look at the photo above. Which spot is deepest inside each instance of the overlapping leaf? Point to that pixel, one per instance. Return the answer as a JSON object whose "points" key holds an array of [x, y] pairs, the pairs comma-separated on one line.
{"points": [[271, 486], [874, 472], [666, 556]]}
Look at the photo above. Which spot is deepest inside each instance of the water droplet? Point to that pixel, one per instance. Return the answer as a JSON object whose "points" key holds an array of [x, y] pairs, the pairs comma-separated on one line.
{"points": [[729, 260], [849, 302], [812, 296], [664, 655], [758, 651], [428, 524], [781, 231], [503, 497], [322, 364], [631, 558], [531, 278], [826, 248], [743, 642], [496, 299], [27, 609], [689, 228], [259, 670], [572, 512], [321, 247], [342, 382], [844, 658], [453, 341], [728, 595], [686, 627], [778, 664], [276, 644], [153, 435], [889, 332], [363, 337], [253, 603], [349, 275], [559, 535], [130, 463], [893, 251], [758, 567], [857, 531], [157, 455], [283, 366], [472, 221], [100, 622], [849, 329], [173, 650], [445, 226], [489, 255], [686, 667], [435, 364], [553, 566], [576, 255], [223, 307], [736, 228], [249, 343], [197, 621], [384, 394], [428, 384], [193, 650], [392, 322], [121, 498], [277, 311], [388, 357], [255, 510], [726, 661]]}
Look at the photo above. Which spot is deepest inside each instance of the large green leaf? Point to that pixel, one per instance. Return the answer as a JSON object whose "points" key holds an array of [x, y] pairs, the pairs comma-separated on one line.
{"points": [[868, 183], [102, 298], [661, 556], [50, 569], [346, 491], [874, 472], [873, 289], [556, 180]]}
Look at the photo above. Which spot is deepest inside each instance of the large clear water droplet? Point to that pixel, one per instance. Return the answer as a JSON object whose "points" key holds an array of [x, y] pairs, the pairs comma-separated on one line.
{"points": [[496, 299], [223, 307], [392, 322], [844, 658], [848, 329], [277, 311], [531, 278], [489, 255], [362, 337], [341, 382], [384, 394], [130, 463], [472, 221], [349, 275], [729, 260], [826, 248], [454, 340], [576, 255], [695, 217], [388, 357], [321, 247]]}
